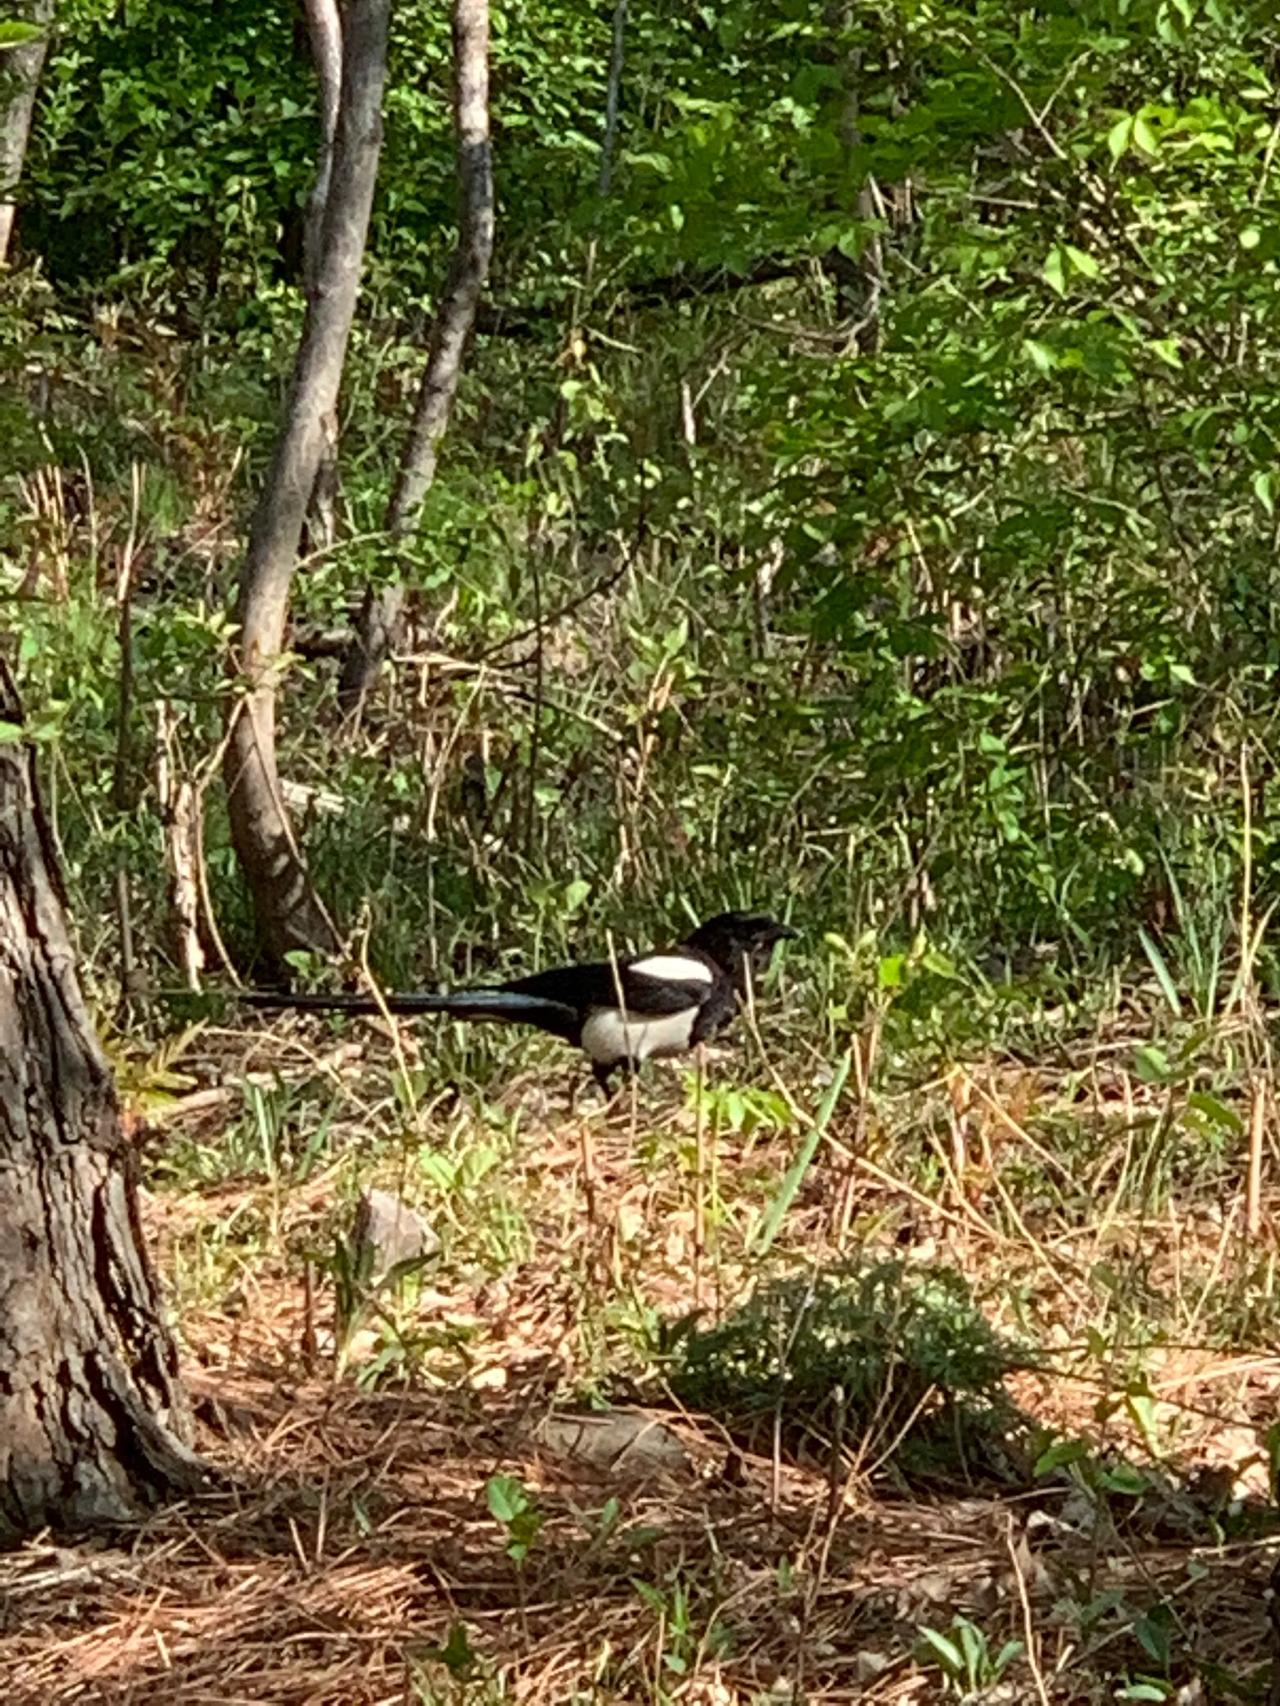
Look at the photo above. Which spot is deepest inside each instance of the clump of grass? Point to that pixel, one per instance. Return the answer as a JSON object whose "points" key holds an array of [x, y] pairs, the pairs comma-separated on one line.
{"points": [[882, 1361]]}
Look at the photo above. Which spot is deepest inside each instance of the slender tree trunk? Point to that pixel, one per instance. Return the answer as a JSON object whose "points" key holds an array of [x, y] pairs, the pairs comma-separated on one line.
{"points": [[380, 616], [93, 1424], [20, 69], [290, 913], [324, 32], [613, 94]]}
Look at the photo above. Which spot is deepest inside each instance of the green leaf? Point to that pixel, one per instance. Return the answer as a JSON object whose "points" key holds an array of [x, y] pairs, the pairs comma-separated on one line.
{"points": [[457, 1654], [1125, 1479], [506, 1497], [1142, 1410], [1152, 1064], [1264, 489], [945, 1650], [1082, 261], [1216, 1112], [13, 33], [575, 894], [10, 732], [1145, 139], [1060, 1453], [1120, 137], [1153, 1634], [1054, 271], [973, 1644], [1160, 967], [1044, 358], [889, 974]]}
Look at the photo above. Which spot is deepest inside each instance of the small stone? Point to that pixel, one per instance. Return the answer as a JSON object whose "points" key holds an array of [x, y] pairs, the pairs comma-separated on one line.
{"points": [[627, 1442], [387, 1232]]}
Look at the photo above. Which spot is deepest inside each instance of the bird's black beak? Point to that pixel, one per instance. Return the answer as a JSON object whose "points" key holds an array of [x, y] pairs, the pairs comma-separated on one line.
{"points": [[784, 933]]}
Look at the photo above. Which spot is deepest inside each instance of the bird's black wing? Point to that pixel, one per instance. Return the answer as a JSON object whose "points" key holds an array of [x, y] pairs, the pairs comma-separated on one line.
{"points": [[625, 984]]}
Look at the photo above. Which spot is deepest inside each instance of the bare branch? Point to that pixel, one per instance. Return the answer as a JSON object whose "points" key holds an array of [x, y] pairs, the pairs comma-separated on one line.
{"points": [[376, 630]]}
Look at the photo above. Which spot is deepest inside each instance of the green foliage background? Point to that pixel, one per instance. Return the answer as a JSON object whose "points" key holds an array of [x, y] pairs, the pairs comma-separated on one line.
{"points": [[949, 553]]}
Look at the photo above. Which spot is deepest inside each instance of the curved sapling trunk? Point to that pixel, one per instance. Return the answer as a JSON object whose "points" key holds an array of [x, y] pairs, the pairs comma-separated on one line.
{"points": [[289, 912]]}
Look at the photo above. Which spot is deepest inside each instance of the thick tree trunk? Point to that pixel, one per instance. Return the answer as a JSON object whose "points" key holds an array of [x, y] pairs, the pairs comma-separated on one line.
{"points": [[92, 1420], [380, 615], [20, 69], [290, 914]]}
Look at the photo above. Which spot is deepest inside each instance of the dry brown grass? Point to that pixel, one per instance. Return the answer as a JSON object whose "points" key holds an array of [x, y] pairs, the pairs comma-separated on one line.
{"points": [[351, 1531]]}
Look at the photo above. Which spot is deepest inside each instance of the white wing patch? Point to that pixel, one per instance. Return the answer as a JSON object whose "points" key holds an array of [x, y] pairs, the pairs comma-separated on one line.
{"points": [[608, 1037], [673, 968]]}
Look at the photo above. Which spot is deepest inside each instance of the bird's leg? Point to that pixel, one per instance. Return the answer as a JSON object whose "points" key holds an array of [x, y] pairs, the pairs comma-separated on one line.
{"points": [[603, 1075]]}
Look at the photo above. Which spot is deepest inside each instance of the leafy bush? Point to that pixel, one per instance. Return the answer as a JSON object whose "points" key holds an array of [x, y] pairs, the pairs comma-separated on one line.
{"points": [[873, 1358]]}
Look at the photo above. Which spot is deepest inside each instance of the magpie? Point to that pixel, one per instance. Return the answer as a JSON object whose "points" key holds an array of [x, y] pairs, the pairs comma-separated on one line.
{"points": [[618, 1012]]}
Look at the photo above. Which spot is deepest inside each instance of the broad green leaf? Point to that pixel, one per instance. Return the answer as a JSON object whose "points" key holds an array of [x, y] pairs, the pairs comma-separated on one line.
{"points": [[506, 1497], [1082, 261], [1120, 137], [1145, 139]]}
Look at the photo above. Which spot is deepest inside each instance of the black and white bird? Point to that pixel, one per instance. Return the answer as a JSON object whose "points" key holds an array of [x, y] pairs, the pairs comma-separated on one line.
{"points": [[618, 1012]]}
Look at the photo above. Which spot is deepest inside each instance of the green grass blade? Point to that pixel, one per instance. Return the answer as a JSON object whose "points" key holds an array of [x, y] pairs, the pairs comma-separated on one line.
{"points": [[793, 1178], [1164, 978]]}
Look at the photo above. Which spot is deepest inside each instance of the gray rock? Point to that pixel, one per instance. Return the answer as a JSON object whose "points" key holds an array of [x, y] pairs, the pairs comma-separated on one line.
{"points": [[627, 1442], [387, 1232]]}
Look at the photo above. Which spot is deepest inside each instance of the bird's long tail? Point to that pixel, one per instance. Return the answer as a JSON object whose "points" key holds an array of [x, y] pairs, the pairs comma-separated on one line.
{"points": [[505, 1004]]}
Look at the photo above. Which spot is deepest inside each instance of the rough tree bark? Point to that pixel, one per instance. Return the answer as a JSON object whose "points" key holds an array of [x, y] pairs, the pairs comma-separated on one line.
{"points": [[380, 616], [20, 70], [92, 1419], [289, 912]]}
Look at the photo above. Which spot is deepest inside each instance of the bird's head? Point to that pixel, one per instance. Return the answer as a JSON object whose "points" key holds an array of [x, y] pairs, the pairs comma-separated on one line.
{"points": [[738, 940]]}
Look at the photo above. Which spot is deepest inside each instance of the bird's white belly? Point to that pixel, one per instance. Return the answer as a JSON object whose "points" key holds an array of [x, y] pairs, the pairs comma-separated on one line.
{"points": [[609, 1036]]}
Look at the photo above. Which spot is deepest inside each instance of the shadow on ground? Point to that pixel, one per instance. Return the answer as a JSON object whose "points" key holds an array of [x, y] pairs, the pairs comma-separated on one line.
{"points": [[356, 1556]]}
